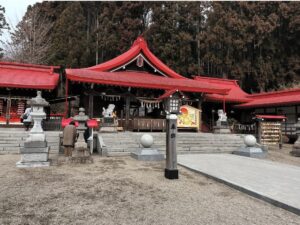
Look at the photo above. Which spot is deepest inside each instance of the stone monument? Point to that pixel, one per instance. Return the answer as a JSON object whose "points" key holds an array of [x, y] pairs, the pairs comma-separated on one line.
{"points": [[109, 124], [252, 149], [222, 124], [35, 151], [147, 153], [296, 146]]}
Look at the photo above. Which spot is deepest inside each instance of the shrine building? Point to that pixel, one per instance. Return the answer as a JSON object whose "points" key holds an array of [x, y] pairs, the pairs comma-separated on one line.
{"points": [[137, 83]]}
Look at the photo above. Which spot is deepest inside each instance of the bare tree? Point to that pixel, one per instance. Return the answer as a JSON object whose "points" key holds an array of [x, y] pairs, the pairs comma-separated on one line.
{"points": [[30, 40]]}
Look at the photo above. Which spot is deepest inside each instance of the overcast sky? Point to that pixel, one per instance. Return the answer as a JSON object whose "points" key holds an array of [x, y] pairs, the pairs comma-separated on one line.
{"points": [[15, 10]]}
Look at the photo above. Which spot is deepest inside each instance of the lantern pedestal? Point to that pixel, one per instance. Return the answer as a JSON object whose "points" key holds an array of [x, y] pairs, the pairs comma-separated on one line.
{"points": [[35, 151]]}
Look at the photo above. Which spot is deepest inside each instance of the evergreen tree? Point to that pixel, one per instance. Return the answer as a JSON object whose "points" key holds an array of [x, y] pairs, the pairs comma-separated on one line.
{"points": [[69, 37], [3, 25]]}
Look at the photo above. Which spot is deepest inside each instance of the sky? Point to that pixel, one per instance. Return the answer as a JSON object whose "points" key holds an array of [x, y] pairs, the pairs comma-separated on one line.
{"points": [[14, 11]]}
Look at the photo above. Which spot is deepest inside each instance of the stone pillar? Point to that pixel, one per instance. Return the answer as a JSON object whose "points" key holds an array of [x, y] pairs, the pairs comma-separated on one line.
{"points": [[171, 171], [35, 151]]}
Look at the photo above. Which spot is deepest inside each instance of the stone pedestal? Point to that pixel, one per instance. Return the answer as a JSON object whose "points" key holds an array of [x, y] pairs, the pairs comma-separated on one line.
{"points": [[109, 125], [296, 146], [222, 128], [147, 153], [251, 150], [35, 151]]}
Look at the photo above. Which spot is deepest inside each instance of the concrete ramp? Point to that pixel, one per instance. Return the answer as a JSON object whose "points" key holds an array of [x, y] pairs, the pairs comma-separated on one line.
{"points": [[276, 183]]}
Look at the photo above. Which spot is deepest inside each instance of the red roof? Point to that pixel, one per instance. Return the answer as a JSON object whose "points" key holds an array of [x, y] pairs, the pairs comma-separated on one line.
{"points": [[142, 80], [235, 94], [271, 117], [139, 46], [16, 75], [276, 98]]}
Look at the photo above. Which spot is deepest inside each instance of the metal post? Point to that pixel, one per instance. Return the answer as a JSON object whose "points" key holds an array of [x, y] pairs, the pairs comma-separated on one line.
{"points": [[171, 171]]}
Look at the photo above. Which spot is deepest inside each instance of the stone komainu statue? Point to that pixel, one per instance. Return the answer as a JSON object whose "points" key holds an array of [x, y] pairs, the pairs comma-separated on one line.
{"points": [[109, 111], [222, 115]]}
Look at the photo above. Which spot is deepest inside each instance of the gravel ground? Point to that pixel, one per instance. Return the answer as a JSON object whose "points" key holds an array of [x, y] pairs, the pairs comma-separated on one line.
{"points": [[283, 155], [121, 190]]}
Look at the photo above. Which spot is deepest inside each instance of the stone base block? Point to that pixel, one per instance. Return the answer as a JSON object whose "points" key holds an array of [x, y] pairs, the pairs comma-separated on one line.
{"points": [[148, 154], [34, 150], [32, 164], [222, 130], [295, 152], [112, 129], [35, 144], [171, 174], [34, 157], [252, 152]]}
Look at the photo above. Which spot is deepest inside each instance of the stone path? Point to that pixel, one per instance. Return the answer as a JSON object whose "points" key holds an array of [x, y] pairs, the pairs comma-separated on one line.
{"points": [[276, 183]]}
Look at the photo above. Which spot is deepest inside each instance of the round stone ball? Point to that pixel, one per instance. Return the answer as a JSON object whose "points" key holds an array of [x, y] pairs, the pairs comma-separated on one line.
{"points": [[147, 140], [250, 140]]}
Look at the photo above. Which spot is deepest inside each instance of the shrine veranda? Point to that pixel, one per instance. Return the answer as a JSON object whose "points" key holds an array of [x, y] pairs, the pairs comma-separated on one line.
{"points": [[138, 84]]}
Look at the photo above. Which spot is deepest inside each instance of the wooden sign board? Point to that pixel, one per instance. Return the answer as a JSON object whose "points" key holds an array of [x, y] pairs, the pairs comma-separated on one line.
{"points": [[189, 117]]}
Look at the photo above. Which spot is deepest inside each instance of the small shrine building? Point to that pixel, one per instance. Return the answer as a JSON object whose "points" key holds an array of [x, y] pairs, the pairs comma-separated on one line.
{"points": [[18, 83]]}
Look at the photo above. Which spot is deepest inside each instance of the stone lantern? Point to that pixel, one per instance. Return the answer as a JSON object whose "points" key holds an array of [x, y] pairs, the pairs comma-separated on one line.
{"points": [[82, 119], [35, 151]]}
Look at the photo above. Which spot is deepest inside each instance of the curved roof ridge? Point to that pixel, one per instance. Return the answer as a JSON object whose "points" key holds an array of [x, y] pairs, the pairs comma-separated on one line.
{"points": [[138, 46], [23, 66], [275, 93]]}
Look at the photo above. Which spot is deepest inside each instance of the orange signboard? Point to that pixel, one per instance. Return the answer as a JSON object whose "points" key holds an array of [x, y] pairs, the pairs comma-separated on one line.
{"points": [[189, 117]]}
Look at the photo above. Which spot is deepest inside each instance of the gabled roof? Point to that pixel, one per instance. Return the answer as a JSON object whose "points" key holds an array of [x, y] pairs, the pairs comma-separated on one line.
{"points": [[141, 80], [276, 98], [17, 75], [235, 94], [139, 47]]}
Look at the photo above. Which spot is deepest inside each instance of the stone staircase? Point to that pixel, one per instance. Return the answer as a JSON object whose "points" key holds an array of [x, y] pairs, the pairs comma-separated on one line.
{"points": [[11, 139], [123, 143]]}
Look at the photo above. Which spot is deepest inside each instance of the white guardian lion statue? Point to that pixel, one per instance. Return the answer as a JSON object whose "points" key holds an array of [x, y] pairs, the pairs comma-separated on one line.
{"points": [[222, 115], [109, 111]]}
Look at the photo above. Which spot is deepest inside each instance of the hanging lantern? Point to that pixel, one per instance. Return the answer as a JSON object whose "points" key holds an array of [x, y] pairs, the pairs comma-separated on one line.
{"points": [[140, 61]]}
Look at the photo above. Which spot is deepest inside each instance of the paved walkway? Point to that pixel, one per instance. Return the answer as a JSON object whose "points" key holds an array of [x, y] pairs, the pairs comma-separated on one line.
{"points": [[273, 182]]}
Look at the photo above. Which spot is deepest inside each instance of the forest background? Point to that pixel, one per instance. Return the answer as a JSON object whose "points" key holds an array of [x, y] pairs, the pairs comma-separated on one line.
{"points": [[256, 43]]}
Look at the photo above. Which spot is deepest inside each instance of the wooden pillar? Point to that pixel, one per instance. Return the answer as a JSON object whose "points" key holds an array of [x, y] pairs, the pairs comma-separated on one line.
{"points": [[91, 106], [200, 114], [8, 106], [66, 100], [127, 111]]}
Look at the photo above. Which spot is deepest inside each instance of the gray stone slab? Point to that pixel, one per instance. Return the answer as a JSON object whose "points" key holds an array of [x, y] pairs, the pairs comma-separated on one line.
{"points": [[35, 144], [34, 150], [32, 164], [253, 152], [148, 154], [276, 183], [34, 157]]}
